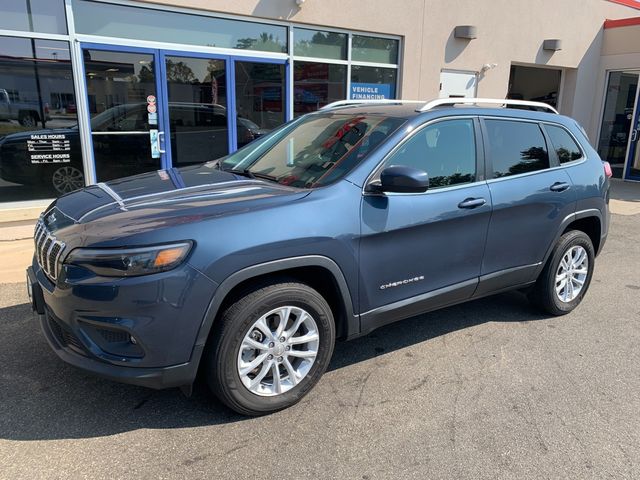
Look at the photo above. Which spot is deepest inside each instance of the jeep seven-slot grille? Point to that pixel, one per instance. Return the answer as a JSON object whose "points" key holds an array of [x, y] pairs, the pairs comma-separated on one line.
{"points": [[48, 250]]}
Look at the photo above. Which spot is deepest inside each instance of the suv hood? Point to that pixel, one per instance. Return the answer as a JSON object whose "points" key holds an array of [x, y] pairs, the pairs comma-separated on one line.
{"points": [[165, 197]]}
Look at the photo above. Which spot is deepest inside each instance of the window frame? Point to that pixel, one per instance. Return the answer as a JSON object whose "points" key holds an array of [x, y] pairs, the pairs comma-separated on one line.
{"points": [[583, 155], [480, 158], [489, 172]]}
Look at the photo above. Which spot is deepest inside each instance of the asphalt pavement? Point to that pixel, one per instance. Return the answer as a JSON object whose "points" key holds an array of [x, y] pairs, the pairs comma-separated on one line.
{"points": [[489, 389]]}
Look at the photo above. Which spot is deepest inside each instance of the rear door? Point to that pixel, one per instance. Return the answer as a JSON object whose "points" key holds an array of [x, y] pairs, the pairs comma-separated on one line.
{"points": [[531, 196], [420, 251]]}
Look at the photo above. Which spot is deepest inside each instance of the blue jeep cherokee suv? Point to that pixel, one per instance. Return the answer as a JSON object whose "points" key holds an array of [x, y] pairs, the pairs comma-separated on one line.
{"points": [[341, 221]]}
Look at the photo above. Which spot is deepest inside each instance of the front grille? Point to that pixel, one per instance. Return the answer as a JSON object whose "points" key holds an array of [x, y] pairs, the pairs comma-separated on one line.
{"points": [[65, 336], [48, 250]]}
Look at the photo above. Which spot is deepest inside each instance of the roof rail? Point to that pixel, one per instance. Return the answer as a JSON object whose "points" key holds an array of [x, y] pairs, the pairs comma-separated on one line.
{"points": [[475, 101], [344, 103]]}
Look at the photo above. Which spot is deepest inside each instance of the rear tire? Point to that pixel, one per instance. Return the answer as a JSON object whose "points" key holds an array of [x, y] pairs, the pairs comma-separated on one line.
{"points": [[257, 361], [567, 275]]}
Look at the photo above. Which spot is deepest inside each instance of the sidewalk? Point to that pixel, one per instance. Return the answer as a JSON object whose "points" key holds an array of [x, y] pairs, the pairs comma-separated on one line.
{"points": [[16, 243], [625, 197]]}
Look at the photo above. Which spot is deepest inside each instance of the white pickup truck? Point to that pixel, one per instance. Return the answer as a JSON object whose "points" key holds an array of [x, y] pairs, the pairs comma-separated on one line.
{"points": [[27, 113]]}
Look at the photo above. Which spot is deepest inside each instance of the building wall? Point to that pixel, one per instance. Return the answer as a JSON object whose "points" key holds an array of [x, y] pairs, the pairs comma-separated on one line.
{"points": [[508, 31]]}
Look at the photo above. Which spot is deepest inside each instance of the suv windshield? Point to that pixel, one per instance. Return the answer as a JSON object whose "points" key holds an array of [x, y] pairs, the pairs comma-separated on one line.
{"points": [[314, 150]]}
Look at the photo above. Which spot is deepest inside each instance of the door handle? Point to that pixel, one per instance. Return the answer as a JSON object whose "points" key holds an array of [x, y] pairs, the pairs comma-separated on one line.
{"points": [[161, 142], [559, 187], [634, 135], [472, 203]]}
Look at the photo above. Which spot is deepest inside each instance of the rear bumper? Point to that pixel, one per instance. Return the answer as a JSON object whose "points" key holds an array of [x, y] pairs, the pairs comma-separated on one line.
{"points": [[69, 340]]}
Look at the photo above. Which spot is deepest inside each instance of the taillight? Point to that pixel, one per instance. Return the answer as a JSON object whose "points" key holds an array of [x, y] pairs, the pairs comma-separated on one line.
{"points": [[607, 169]]}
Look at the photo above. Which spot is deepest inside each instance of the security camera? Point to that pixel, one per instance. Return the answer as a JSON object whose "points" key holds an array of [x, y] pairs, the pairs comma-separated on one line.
{"points": [[488, 66], [300, 2]]}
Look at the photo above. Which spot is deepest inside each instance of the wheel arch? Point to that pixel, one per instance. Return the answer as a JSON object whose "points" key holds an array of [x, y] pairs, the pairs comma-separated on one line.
{"points": [[589, 220], [318, 271]]}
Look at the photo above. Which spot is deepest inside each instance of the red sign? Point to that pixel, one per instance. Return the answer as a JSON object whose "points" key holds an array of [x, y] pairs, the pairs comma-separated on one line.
{"points": [[151, 99], [151, 108], [629, 3]]}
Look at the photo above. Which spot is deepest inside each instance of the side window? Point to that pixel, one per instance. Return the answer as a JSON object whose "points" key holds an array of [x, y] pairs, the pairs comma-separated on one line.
{"points": [[564, 145], [445, 150], [516, 147]]}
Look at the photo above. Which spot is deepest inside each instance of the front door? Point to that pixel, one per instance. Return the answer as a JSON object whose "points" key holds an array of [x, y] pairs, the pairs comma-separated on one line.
{"points": [[617, 127], [197, 108], [124, 100], [153, 109], [632, 170], [422, 251], [217, 104]]}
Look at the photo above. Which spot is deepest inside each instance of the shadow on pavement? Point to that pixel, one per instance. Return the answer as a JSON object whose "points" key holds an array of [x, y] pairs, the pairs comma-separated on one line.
{"points": [[42, 398]]}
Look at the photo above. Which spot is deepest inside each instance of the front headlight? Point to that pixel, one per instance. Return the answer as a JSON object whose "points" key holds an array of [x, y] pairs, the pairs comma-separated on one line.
{"points": [[130, 262]]}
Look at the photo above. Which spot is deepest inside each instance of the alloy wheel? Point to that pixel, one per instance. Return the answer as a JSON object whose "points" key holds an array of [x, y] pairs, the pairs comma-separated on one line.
{"points": [[572, 273], [278, 351]]}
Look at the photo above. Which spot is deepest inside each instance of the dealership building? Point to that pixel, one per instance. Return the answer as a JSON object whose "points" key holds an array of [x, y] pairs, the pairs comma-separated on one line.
{"points": [[95, 90]]}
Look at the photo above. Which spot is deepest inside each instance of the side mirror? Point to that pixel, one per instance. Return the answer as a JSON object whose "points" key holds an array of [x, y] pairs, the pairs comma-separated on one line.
{"points": [[400, 179]]}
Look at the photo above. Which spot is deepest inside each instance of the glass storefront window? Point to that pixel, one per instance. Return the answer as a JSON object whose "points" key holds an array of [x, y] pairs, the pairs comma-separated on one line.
{"points": [[40, 154], [373, 83], [150, 24], [373, 49], [46, 16], [316, 85], [320, 44]]}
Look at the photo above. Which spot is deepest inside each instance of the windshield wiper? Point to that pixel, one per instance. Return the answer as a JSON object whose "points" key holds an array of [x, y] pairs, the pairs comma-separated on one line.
{"points": [[245, 172], [242, 172], [263, 176]]}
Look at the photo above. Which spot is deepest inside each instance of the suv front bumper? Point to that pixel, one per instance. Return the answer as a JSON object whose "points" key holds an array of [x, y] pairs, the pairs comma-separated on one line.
{"points": [[76, 348]]}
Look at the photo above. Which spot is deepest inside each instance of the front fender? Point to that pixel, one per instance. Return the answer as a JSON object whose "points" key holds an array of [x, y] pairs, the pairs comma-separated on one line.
{"points": [[275, 266]]}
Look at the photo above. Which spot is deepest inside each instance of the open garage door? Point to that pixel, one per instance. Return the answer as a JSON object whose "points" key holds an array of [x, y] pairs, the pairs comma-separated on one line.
{"points": [[535, 83]]}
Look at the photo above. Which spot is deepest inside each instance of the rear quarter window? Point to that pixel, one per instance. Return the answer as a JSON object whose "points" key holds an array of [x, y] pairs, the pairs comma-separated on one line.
{"points": [[563, 143], [516, 147]]}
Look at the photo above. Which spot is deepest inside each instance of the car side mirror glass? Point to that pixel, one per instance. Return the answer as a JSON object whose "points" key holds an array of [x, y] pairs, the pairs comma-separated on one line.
{"points": [[400, 179]]}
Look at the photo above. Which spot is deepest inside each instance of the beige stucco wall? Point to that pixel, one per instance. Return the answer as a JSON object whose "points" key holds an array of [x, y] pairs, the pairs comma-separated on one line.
{"points": [[509, 31], [621, 40]]}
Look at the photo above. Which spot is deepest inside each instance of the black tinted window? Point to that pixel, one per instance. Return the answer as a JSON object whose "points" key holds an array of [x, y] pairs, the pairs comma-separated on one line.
{"points": [[516, 147], [565, 146], [445, 150]]}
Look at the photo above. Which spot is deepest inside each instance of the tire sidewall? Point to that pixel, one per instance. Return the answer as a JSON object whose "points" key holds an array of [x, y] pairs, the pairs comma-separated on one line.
{"points": [[226, 353], [567, 241]]}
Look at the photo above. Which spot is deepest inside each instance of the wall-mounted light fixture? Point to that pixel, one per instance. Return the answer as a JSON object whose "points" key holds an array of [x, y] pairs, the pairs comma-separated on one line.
{"points": [[552, 45], [488, 66], [466, 32]]}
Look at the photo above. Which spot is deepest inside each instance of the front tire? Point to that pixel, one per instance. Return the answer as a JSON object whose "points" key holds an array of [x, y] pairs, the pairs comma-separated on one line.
{"points": [[566, 277], [270, 348]]}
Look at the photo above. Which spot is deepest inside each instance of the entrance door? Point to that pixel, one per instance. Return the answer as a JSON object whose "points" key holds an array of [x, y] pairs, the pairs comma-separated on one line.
{"points": [[208, 105], [259, 98], [217, 104], [197, 108], [124, 99], [632, 171], [616, 130]]}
